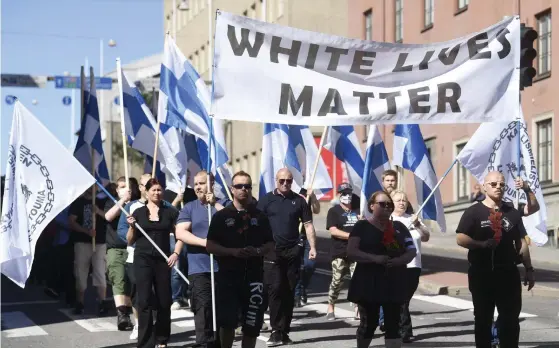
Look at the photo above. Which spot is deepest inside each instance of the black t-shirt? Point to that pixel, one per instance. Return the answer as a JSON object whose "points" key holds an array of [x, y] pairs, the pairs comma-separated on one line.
{"points": [[372, 239], [344, 220], [476, 223], [113, 240], [188, 195], [158, 230], [82, 209], [285, 213], [238, 229]]}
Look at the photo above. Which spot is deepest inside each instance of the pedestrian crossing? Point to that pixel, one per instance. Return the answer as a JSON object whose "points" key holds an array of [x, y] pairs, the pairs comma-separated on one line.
{"points": [[24, 323]]}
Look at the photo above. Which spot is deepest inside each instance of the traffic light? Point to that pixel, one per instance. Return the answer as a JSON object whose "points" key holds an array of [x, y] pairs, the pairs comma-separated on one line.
{"points": [[527, 55]]}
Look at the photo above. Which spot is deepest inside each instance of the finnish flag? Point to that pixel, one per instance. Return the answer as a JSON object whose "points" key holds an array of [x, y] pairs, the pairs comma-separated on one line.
{"points": [[343, 142], [376, 162], [42, 179], [410, 152]]}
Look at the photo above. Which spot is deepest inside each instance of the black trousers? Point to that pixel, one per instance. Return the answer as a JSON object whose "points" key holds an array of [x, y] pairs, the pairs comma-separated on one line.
{"points": [[61, 273], [280, 278], [152, 272], [369, 314], [412, 278], [500, 287], [201, 306]]}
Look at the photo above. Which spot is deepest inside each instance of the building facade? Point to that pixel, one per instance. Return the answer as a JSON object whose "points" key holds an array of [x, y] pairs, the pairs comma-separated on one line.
{"points": [[427, 21]]}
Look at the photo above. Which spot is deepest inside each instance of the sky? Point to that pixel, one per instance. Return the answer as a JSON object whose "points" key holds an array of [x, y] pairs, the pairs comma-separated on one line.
{"points": [[48, 38]]}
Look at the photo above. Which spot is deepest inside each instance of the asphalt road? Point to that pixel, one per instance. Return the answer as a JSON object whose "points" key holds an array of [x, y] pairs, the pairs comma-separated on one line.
{"points": [[30, 319]]}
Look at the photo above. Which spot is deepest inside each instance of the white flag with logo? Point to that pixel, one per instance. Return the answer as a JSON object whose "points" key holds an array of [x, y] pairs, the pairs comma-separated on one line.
{"points": [[42, 178], [494, 147]]}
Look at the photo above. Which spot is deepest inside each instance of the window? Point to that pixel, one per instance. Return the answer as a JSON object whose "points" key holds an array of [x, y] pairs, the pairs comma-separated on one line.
{"points": [[399, 21], [544, 144], [429, 13], [368, 24], [461, 177], [430, 144], [544, 43], [463, 3]]}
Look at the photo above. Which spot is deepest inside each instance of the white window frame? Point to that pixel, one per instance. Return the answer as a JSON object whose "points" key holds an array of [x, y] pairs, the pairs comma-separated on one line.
{"points": [[428, 13], [455, 170], [399, 17], [535, 140], [368, 28], [541, 69]]}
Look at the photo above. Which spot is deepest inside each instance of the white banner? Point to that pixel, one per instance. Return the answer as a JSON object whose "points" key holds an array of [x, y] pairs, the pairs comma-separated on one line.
{"points": [[270, 73], [42, 179]]}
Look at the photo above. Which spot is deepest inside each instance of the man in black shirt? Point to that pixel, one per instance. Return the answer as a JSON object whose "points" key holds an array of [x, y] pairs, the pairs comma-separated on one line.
{"points": [[239, 236], [493, 232], [285, 210]]}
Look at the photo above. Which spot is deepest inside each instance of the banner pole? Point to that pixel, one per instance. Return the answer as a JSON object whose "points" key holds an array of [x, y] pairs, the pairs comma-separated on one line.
{"points": [[122, 126], [316, 162], [154, 165]]}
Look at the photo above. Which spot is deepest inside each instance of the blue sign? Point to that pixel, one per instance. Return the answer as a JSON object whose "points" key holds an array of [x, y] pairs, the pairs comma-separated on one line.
{"points": [[11, 99], [75, 82], [67, 100], [117, 100]]}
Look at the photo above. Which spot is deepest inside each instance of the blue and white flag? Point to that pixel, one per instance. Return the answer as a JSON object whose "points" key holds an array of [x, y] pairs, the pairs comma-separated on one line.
{"points": [[42, 179], [184, 103], [343, 142], [293, 147], [140, 126], [376, 162], [89, 139], [410, 152]]}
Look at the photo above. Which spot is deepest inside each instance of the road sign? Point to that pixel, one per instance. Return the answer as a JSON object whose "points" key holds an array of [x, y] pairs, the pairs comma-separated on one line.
{"points": [[75, 82], [66, 100], [11, 99], [23, 80]]}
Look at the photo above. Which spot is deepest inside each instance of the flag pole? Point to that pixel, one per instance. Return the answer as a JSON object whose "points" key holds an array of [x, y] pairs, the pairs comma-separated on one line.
{"points": [[220, 174], [212, 272], [154, 165], [122, 127], [316, 162], [142, 231], [93, 191], [436, 186]]}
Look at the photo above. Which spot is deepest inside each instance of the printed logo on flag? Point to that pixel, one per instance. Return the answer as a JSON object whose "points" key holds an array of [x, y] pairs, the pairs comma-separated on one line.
{"points": [[507, 135], [7, 216]]}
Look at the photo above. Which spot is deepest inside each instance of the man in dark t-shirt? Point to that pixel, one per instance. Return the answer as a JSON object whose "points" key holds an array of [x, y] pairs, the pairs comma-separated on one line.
{"points": [[240, 236], [340, 221], [493, 232]]}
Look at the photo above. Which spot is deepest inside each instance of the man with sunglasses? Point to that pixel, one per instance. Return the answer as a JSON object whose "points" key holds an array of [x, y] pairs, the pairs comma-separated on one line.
{"points": [[192, 229], [239, 236], [285, 210], [493, 232]]}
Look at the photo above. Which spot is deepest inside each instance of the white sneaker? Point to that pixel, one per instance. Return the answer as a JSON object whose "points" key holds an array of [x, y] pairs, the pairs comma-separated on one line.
{"points": [[175, 306], [134, 334]]}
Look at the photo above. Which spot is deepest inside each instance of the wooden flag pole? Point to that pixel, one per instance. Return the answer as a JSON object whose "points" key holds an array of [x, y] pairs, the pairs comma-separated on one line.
{"points": [[93, 188], [154, 165], [122, 126], [316, 162]]}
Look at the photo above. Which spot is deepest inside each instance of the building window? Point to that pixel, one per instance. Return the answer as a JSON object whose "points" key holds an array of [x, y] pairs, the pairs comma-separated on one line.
{"points": [[544, 43], [461, 177], [463, 4], [429, 13], [544, 144], [430, 144], [399, 21], [368, 24]]}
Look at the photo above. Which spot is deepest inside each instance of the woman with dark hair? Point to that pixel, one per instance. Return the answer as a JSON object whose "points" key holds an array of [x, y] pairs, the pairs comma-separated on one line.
{"points": [[382, 249], [151, 270]]}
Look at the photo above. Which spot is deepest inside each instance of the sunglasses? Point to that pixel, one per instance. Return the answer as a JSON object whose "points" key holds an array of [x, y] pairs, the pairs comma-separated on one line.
{"points": [[283, 181], [494, 184], [385, 204], [242, 186]]}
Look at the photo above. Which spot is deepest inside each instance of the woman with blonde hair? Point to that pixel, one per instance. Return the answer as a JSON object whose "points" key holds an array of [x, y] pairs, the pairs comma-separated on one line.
{"points": [[419, 233]]}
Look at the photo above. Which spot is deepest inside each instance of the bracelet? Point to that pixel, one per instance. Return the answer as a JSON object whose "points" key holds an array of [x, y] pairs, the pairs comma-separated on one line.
{"points": [[175, 253]]}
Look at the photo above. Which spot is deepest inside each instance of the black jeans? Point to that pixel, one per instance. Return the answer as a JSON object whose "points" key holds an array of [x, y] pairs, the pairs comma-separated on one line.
{"points": [[201, 306], [412, 278], [61, 275], [280, 278], [500, 287], [152, 272], [369, 313]]}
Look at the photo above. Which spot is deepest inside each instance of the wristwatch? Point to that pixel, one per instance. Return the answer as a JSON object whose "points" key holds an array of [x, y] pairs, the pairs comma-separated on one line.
{"points": [[531, 269]]}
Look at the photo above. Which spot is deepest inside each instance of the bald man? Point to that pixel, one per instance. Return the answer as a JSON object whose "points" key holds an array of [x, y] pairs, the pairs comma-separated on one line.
{"points": [[285, 210], [493, 232]]}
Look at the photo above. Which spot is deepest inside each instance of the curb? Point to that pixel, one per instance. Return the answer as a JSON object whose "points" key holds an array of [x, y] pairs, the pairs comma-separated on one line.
{"points": [[433, 288]]}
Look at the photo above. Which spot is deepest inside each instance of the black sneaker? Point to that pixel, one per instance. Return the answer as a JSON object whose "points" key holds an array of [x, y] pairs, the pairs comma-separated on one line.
{"points": [[123, 321], [285, 339], [78, 309], [275, 339]]}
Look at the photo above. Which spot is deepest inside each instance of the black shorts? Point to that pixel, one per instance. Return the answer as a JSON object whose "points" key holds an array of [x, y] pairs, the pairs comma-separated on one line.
{"points": [[240, 292]]}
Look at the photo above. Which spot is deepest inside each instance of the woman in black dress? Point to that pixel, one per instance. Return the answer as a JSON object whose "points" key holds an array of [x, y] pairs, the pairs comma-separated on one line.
{"points": [[382, 248], [150, 268]]}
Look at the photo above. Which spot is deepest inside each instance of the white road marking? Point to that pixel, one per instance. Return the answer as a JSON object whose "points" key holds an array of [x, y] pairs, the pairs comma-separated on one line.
{"points": [[90, 323], [457, 303], [17, 324]]}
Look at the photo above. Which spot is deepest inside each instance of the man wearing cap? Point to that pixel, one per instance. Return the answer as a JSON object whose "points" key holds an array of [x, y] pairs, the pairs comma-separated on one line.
{"points": [[340, 221]]}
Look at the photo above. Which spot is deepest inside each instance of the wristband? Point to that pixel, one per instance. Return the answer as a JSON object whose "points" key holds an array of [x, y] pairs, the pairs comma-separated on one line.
{"points": [[175, 253]]}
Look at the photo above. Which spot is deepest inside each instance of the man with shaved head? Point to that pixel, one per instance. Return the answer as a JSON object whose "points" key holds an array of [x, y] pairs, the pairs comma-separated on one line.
{"points": [[285, 210], [493, 232]]}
